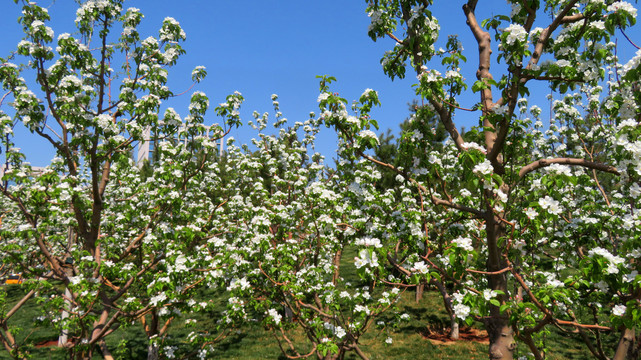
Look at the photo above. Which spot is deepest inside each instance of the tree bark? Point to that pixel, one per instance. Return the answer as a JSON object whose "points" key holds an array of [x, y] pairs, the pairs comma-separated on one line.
{"points": [[62, 339], [337, 266], [625, 348], [153, 351], [502, 343], [447, 302], [419, 292], [106, 354], [454, 328], [501, 334]]}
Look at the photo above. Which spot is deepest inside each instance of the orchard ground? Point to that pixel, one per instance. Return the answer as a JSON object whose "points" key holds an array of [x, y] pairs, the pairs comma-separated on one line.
{"points": [[423, 337]]}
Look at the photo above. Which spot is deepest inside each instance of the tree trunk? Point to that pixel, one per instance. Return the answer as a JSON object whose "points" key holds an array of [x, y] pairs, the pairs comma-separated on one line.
{"points": [[454, 328], [626, 347], [447, 302], [153, 351], [419, 292], [501, 334], [337, 266], [64, 334]]}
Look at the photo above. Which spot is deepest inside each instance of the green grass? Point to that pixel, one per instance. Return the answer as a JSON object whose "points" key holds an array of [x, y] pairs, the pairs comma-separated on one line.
{"points": [[254, 342]]}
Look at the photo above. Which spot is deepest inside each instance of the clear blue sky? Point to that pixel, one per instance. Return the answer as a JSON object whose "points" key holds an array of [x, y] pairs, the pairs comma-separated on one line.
{"points": [[262, 47], [258, 48]]}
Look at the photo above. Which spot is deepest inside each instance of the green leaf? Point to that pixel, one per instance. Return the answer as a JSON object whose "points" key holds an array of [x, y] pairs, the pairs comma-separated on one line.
{"points": [[478, 86]]}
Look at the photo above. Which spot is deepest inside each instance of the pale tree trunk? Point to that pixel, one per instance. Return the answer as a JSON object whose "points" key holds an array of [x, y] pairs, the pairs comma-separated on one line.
{"points": [[419, 292], [501, 334], [502, 343], [155, 333], [454, 328], [153, 351], [337, 265], [68, 270], [62, 340], [626, 346]]}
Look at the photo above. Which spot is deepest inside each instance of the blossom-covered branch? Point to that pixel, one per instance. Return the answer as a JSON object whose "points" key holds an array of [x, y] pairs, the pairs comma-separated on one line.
{"points": [[567, 161]]}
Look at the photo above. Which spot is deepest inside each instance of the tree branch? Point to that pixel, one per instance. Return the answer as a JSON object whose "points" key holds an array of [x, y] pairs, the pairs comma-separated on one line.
{"points": [[567, 161], [395, 38], [483, 40], [446, 120], [547, 32], [627, 38]]}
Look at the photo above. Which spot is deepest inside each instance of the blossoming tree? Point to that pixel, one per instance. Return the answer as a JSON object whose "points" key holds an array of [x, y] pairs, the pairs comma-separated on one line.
{"points": [[90, 233], [535, 217], [527, 223], [293, 220]]}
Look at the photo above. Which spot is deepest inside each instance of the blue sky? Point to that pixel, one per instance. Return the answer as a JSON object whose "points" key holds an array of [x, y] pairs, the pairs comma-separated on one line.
{"points": [[264, 47], [258, 48]]}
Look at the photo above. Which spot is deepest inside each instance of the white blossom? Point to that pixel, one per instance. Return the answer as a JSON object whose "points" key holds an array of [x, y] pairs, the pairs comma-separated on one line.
{"points": [[365, 258], [368, 134], [551, 205], [420, 267], [619, 310], [275, 315], [464, 243], [623, 6], [484, 168], [531, 213], [489, 294], [515, 32], [155, 300], [323, 96], [461, 311]]}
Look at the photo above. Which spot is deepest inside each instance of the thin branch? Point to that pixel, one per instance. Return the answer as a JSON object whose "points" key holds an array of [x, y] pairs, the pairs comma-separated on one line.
{"points": [[360, 352], [395, 38], [585, 326], [456, 106], [572, 18], [547, 312], [183, 93], [17, 306], [587, 340], [629, 40], [291, 345], [567, 161], [527, 338], [260, 266], [446, 120], [312, 307], [103, 69], [551, 78], [490, 272], [547, 32], [4, 96], [510, 97]]}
